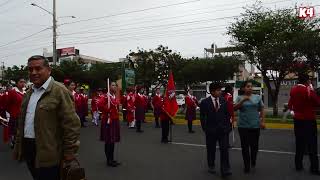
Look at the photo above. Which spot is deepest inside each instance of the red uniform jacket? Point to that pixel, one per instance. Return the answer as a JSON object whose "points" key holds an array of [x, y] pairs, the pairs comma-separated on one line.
{"points": [[124, 102], [130, 107], [111, 111], [140, 101], [229, 98], [81, 101], [94, 103], [303, 102], [157, 102], [191, 102], [13, 103]]}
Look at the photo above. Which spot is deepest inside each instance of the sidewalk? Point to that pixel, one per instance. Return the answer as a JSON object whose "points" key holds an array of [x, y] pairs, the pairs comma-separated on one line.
{"points": [[269, 125]]}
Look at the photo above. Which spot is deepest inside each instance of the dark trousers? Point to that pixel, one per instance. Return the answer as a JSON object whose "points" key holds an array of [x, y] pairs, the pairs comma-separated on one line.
{"points": [[250, 145], [165, 129], [42, 173], [124, 114], [190, 125], [109, 151], [306, 138], [156, 119], [211, 142], [138, 124]]}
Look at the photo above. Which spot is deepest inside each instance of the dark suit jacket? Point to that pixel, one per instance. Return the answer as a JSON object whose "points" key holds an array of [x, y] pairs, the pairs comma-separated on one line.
{"points": [[213, 122]]}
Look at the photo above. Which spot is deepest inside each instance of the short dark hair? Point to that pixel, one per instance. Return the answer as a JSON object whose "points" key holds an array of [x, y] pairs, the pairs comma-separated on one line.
{"points": [[214, 86], [39, 57], [303, 78], [228, 88], [245, 83]]}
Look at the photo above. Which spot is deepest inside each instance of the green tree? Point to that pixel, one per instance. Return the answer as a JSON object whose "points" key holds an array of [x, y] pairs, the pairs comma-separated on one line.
{"points": [[100, 72], [152, 66], [218, 68], [274, 40], [14, 73]]}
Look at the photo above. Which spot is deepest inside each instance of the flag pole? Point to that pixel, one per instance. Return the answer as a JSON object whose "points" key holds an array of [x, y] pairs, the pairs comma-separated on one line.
{"points": [[170, 126], [108, 81]]}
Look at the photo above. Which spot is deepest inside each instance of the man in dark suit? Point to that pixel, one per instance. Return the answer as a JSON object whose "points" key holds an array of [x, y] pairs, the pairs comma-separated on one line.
{"points": [[215, 122]]}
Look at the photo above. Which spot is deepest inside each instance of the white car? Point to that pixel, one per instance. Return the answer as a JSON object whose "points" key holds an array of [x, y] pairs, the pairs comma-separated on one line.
{"points": [[180, 100]]}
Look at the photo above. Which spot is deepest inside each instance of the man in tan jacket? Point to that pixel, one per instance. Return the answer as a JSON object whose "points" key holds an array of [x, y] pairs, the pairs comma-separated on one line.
{"points": [[48, 127]]}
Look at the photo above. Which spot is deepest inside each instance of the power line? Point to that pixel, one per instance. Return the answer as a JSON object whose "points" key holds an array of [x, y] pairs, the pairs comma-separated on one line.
{"points": [[23, 38], [153, 32], [4, 3], [21, 52], [156, 26], [131, 12], [144, 37], [168, 18]]}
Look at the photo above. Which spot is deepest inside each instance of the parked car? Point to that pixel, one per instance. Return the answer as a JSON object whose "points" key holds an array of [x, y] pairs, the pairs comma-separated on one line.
{"points": [[180, 100]]}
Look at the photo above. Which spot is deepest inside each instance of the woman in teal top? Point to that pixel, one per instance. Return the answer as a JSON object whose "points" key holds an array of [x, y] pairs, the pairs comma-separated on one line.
{"points": [[251, 119]]}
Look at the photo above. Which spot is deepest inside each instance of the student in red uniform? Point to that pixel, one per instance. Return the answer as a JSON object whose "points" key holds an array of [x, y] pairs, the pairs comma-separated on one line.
{"points": [[146, 99], [124, 106], [3, 100], [13, 106], [191, 105], [82, 106], [303, 101], [110, 134], [94, 106], [131, 108], [165, 125], [140, 110], [157, 105]]}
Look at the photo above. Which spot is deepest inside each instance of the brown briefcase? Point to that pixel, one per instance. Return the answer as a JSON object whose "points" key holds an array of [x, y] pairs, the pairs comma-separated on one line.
{"points": [[72, 171]]}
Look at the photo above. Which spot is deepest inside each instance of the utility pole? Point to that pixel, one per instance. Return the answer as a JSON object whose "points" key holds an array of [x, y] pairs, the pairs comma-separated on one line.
{"points": [[2, 71], [54, 28]]}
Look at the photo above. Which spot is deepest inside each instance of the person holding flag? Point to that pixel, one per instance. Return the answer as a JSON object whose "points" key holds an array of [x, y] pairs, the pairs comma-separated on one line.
{"points": [[110, 124], [169, 109]]}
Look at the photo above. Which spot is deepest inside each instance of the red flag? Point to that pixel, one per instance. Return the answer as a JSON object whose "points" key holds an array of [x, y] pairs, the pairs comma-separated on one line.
{"points": [[170, 103]]}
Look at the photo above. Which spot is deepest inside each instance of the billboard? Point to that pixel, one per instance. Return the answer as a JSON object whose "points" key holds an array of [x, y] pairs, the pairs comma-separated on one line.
{"points": [[69, 51], [128, 79]]}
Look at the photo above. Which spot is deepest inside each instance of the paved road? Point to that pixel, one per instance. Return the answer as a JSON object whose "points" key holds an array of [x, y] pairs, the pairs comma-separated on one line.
{"points": [[143, 157]]}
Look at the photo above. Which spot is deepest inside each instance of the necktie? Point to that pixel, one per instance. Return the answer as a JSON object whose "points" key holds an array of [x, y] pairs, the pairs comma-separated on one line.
{"points": [[216, 104]]}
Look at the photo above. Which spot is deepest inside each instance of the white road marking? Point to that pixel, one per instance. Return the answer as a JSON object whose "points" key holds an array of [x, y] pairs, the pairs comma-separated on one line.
{"points": [[239, 149]]}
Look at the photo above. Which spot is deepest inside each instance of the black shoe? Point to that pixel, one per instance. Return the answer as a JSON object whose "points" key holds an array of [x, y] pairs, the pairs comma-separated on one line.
{"points": [[139, 131], [116, 163], [165, 141], [211, 170], [253, 165], [299, 169], [111, 164], [191, 132], [316, 173], [226, 174]]}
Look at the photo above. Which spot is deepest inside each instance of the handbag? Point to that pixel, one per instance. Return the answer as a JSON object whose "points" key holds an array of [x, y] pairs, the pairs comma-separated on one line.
{"points": [[72, 171]]}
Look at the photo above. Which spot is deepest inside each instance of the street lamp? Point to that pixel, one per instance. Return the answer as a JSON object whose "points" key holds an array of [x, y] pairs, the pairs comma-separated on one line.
{"points": [[54, 28]]}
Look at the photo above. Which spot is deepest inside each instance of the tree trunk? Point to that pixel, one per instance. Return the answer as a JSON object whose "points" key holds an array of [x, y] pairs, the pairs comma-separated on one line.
{"points": [[275, 98], [275, 106]]}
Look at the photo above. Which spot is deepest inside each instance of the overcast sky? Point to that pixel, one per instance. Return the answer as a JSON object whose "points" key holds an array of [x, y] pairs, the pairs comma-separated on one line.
{"points": [[186, 28]]}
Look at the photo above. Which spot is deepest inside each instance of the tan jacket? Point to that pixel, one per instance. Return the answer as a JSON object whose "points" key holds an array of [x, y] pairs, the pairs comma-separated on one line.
{"points": [[56, 126]]}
